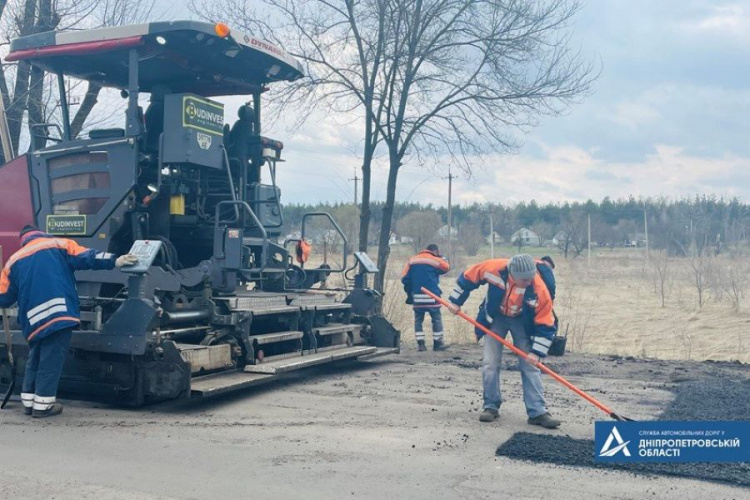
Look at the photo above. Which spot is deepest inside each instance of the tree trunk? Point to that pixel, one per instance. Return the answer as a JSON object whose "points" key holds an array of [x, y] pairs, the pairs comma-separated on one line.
{"points": [[46, 21], [92, 97], [365, 212], [36, 108], [21, 87], [6, 105], [385, 230], [18, 103]]}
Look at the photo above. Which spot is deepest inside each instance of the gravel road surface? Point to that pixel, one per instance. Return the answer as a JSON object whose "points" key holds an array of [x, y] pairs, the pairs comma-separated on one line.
{"points": [[405, 426]]}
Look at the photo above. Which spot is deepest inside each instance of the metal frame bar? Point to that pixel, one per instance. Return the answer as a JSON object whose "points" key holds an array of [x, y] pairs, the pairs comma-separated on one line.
{"points": [[338, 230]]}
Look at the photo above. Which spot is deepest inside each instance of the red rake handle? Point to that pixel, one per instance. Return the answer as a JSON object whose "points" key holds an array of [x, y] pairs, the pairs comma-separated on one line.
{"points": [[518, 352]]}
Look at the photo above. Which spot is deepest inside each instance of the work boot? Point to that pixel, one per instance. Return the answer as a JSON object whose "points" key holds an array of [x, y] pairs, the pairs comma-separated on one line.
{"points": [[27, 398], [420, 346], [488, 415], [54, 409], [545, 420], [439, 345]]}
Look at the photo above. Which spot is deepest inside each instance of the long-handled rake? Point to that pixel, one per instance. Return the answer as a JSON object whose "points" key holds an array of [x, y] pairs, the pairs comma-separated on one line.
{"points": [[518, 352]]}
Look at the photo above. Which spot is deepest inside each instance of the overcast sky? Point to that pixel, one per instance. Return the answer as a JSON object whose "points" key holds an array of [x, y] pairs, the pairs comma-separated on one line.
{"points": [[670, 116]]}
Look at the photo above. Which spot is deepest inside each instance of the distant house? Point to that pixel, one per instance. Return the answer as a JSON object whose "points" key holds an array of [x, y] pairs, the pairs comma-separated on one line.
{"points": [[498, 239], [636, 240], [559, 238], [294, 235], [527, 237], [396, 239], [443, 232]]}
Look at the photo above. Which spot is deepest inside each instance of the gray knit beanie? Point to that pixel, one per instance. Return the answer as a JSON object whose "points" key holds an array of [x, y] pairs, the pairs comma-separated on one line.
{"points": [[522, 267]]}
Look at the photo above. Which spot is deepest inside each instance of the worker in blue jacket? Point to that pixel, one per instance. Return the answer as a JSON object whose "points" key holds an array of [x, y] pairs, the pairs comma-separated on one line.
{"points": [[424, 270], [545, 268], [518, 302], [40, 278]]}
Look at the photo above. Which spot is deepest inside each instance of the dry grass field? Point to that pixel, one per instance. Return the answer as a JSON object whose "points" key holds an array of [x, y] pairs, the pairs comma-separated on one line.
{"points": [[615, 305]]}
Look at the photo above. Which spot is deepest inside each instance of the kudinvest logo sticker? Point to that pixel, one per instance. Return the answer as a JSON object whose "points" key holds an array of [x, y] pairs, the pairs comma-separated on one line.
{"points": [[69, 225], [202, 114]]}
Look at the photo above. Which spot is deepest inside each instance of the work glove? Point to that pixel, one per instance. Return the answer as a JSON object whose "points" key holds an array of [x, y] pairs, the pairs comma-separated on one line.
{"points": [[533, 358], [409, 299], [126, 260]]}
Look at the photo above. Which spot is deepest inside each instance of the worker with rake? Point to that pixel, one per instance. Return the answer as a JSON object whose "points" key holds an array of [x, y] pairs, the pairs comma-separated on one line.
{"points": [[518, 302]]}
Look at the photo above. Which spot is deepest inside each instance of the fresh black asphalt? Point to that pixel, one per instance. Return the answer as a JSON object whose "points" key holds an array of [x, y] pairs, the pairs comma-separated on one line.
{"points": [[716, 397]]}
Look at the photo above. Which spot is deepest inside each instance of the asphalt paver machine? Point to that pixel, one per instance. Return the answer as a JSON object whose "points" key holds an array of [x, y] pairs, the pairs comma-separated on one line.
{"points": [[218, 302]]}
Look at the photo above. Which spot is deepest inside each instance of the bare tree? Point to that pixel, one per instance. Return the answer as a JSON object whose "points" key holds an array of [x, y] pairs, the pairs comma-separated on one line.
{"points": [[347, 217], [545, 231], [734, 279], [33, 94], [420, 227], [573, 236], [701, 267], [429, 78], [341, 45], [471, 238], [660, 263], [460, 73]]}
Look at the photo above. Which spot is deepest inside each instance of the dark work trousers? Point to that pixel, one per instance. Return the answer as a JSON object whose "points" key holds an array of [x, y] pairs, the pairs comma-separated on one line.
{"points": [[45, 363], [437, 322]]}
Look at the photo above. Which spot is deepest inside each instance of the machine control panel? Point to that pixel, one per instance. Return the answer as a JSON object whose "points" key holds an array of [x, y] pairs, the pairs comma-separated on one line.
{"points": [[366, 262], [146, 251]]}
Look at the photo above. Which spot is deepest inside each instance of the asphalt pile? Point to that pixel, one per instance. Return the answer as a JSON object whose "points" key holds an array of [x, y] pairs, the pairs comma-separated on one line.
{"points": [[716, 397]]}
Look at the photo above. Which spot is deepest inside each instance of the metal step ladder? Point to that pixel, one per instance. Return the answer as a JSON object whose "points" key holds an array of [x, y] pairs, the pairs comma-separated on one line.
{"points": [[217, 384], [300, 362]]}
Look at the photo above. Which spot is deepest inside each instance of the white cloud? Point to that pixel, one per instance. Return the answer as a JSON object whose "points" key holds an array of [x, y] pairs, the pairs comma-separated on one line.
{"points": [[570, 173], [731, 20], [632, 114]]}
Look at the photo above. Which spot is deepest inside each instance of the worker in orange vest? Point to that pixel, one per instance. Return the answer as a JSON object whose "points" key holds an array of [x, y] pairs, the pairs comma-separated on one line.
{"points": [[424, 270]]}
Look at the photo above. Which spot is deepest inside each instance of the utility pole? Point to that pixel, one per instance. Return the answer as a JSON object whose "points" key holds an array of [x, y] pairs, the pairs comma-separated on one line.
{"points": [[450, 214], [589, 240], [492, 232], [645, 229], [356, 184], [492, 238]]}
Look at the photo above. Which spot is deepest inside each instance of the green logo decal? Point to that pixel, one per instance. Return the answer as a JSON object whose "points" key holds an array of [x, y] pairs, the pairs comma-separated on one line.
{"points": [[66, 224], [202, 114]]}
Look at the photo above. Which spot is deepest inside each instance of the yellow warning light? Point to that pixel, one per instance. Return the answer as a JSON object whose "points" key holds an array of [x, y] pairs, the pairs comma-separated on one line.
{"points": [[222, 30]]}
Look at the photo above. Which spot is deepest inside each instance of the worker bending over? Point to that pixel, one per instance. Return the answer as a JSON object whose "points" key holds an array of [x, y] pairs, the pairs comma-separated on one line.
{"points": [[517, 302], [40, 277]]}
